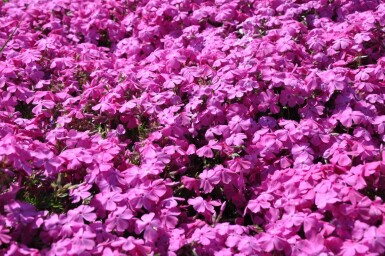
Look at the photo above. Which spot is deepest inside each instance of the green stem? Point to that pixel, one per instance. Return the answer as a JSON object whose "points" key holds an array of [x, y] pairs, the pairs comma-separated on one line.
{"points": [[9, 39]]}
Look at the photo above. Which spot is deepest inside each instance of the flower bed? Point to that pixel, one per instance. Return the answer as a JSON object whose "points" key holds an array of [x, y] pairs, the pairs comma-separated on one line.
{"points": [[192, 127]]}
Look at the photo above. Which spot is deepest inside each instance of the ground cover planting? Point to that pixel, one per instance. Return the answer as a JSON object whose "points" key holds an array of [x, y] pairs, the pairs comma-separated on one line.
{"points": [[192, 127]]}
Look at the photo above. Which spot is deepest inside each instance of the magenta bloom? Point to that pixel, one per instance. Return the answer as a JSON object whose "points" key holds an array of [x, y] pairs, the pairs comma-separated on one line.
{"points": [[192, 127]]}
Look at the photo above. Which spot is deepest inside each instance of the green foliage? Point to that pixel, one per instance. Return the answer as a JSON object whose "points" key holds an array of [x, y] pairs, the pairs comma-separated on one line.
{"points": [[358, 61], [104, 39], [103, 130], [372, 192], [25, 109], [135, 158], [122, 78], [82, 77], [56, 86], [45, 195], [5, 179], [187, 250], [139, 133]]}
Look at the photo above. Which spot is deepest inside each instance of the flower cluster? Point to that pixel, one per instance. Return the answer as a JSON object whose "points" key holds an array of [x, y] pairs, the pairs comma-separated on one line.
{"points": [[192, 127]]}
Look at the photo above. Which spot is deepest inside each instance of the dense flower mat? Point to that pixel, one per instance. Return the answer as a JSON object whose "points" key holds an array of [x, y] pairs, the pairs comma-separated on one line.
{"points": [[192, 127]]}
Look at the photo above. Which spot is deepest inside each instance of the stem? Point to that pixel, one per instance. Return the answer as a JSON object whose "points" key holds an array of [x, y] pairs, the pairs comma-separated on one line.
{"points": [[9, 39]]}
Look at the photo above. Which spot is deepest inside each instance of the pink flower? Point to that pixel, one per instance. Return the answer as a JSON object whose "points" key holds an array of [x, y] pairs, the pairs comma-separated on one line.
{"points": [[206, 151], [135, 246], [208, 178], [169, 217], [85, 212], [201, 205], [204, 235], [81, 192], [339, 154], [236, 139], [119, 219], [313, 246], [262, 202], [348, 117], [273, 242], [83, 240], [4, 238], [30, 55], [226, 175], [150, 225], [379, 122], [325, 194], [350, 248], [239, 165], [109, 200], [237, 124], [341, 44], [375, 237]]}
